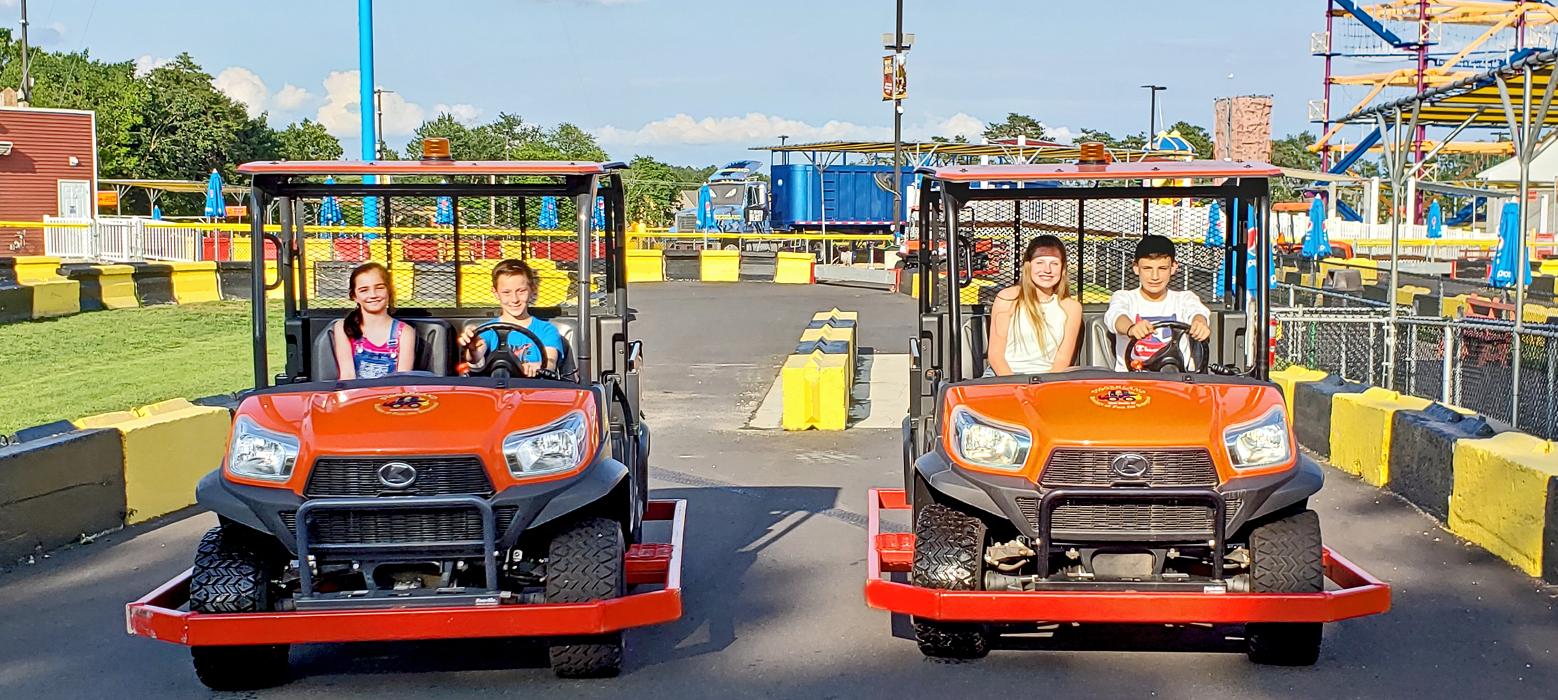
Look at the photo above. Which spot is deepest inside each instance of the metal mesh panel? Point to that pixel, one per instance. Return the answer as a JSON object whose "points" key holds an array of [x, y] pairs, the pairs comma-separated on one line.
{"points": [[1352, 347], [998, 230], [441, 251]]}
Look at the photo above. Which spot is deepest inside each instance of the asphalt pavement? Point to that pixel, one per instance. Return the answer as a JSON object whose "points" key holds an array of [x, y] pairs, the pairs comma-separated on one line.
{"points": [[774, 567]]}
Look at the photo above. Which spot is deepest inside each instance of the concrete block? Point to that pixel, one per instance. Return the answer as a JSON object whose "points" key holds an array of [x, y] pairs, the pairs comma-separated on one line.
{"points": [[55, 489]]}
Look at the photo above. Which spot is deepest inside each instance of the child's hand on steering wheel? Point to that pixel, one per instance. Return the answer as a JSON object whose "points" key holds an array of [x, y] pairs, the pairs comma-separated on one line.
{"points": [[1199, 329]]}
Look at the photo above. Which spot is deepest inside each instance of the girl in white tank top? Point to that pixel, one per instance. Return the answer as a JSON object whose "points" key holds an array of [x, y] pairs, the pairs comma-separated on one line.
{"points": [[1034, 324]]}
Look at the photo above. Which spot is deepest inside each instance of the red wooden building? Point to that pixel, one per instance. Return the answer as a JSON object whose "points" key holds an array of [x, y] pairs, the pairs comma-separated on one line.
{"points": [[48, 167]]}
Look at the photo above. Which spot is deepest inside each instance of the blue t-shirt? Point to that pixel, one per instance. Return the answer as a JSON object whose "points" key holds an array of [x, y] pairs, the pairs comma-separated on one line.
{"points": [[520, 342]]}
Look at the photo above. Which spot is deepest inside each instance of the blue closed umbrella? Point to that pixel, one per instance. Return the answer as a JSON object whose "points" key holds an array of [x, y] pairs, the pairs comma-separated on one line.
{"points": [[329, 209], [1316, 245], [598, 222], [1214, 226], [216, 208], [443, 214], [548, 219], [1252, 269], [1435, 220], [705, 208], [1507, 260]]}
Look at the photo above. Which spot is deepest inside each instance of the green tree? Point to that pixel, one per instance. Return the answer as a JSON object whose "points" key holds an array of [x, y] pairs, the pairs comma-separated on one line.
{"points": [[1016, 125], [308, 140], [77, 81], [651, 191], [1196, 136], [189, 126]]}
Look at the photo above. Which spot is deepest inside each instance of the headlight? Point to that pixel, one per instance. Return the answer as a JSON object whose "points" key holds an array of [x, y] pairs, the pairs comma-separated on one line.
{"points": [[985, 443], [554, 448], [258, 453], [1259, 444]]}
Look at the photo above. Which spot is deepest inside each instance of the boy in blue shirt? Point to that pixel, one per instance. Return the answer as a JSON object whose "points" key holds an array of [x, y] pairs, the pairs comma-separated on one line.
{"points": [[514, 283]]}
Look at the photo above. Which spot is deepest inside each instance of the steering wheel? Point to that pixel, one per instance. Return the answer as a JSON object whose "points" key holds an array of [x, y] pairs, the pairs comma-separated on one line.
{"points": [[1170, 358], [504, 361]]}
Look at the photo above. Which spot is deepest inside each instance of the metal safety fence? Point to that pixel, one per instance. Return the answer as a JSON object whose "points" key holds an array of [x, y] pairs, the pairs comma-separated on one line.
{"points": [[1495, 368]]}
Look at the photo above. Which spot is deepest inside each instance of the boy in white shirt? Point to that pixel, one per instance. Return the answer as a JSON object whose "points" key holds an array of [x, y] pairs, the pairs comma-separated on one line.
{"points": [[1134, 313]]}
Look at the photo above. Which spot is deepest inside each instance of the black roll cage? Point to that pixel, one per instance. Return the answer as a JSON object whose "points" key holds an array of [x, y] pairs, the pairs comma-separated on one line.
{"points": [[287, 191], [944, 202]]}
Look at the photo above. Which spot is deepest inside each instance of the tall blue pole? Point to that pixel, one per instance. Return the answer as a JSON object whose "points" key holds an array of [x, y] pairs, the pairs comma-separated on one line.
{"points": [[370, 138]]}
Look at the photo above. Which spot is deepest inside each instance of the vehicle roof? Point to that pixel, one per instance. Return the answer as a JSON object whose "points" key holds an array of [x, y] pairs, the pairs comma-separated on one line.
{"points": [[428, 167], [1139, 170]]}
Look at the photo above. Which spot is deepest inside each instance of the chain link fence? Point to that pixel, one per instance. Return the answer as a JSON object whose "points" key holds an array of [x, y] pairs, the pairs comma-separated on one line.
{"points": [[1482, 365]]}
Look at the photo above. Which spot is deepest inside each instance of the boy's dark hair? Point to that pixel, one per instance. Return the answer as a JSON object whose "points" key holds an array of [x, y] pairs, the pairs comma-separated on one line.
{"points": [[1153, 246], [514, 267]]}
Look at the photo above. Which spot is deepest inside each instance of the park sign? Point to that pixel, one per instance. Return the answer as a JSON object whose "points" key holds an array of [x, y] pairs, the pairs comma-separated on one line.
{"points": [[895, 80]]}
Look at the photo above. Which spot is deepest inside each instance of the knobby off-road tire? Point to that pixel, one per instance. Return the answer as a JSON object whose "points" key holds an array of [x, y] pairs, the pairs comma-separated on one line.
{"points": [[586, 563], [231, 576], [1285, 557], [949, 554]]}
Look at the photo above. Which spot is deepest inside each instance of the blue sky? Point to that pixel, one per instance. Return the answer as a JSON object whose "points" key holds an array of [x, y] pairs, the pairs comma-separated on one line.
{"points": [[695, 81]]}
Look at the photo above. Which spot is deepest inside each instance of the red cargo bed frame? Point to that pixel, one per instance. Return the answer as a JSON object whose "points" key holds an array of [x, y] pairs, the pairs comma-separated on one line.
{"points": [[157, 615], [1358, 593]]}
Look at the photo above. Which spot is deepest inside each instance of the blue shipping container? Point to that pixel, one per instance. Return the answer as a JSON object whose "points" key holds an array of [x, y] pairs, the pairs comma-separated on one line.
{"points": [[857, 196]]}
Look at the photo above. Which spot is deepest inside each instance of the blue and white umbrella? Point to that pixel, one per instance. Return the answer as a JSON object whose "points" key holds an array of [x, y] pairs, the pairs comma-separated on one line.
{"points": [[1252, 269], [599, 220], [1214, 226], [443, 213], [1435, 220], [1316, 245], [1506, 262], [548, 218], [216, 208], [330, 209]]}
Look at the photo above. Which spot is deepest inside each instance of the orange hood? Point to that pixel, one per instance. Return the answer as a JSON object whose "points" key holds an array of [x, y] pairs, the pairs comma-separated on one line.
{"points": [[410, 420], [1125, 412]]}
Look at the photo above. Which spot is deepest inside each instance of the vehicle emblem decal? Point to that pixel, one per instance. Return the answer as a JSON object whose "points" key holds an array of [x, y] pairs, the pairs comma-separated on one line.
{"points": [[407, 404], [1130, 466], [397, 475], [1121, 396]]}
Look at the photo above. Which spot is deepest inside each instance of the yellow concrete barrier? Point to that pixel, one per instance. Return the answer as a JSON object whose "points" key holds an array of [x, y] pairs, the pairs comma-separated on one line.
{"points": [[970, 295], [554, 287], [32, 269], [1368, 268], [52, 293], [1453, 307], [1407, 294], [719, 266], [646, 265], [1500, 497], [793, 268], [195, 282], [476, 282], [814, 390], [1290, 378], [168, 447], [1360, 431], [118, 286]]}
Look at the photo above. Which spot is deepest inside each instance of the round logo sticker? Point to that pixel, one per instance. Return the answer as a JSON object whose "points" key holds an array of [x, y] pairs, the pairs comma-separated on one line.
{"points": [[1120, 396], [407, 404]]}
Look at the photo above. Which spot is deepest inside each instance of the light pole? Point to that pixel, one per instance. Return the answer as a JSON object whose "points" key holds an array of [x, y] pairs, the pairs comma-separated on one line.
{"points": [[26, 81], [378, 109], [899, 43], [1152, 112]]}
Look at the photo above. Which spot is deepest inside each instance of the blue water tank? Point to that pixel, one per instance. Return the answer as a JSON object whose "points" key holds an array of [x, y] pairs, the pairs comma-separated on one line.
{"points": [[855, 196]]}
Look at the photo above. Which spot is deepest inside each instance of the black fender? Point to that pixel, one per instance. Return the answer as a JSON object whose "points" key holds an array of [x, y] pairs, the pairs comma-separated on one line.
{"points": [[1305, 481], [256, 507], [950, 483], [597, 482]]}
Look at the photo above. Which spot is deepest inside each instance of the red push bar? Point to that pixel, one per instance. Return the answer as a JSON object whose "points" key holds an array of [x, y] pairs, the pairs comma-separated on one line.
{"points": [[1358, 593], [157, 614]]}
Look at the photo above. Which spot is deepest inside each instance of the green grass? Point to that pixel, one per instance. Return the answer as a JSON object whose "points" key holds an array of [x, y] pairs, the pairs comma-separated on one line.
{"points": [[68, 368]]}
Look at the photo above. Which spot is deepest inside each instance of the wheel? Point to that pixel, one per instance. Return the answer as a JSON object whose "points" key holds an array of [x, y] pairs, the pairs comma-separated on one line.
{"points": [[585, 563], [948, 554], [231, 575], [1285, 558]]}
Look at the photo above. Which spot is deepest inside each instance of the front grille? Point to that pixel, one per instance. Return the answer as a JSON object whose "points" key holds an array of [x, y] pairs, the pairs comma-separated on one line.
{"points": [[1070, 466], [436, 476], [1122, 519], [398, 526]]}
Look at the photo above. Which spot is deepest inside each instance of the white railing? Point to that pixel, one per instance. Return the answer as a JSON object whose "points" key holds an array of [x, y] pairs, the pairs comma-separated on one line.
{"points": [[121, 239]]}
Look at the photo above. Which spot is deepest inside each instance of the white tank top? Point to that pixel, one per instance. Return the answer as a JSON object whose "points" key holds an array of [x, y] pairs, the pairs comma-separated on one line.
{"points": [[1023, 350]]}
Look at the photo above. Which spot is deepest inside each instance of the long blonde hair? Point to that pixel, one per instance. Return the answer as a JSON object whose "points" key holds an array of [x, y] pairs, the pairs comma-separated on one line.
{"points": [[1028, 295]]}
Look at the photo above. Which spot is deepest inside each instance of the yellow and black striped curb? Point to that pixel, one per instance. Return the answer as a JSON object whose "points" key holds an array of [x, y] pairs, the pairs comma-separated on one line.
{"points": [[1496, 488], [817, 379]]}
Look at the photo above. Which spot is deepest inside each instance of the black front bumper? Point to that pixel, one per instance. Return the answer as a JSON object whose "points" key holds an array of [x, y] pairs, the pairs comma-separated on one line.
{"points": [[512, 511]]}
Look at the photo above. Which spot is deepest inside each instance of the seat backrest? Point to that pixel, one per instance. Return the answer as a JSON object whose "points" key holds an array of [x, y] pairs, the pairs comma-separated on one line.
{"points": [[568, 328], [435, 348]]}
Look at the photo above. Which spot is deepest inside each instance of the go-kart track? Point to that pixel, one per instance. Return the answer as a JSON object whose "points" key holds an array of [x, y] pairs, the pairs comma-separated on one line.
{"points": [[774, 565]]}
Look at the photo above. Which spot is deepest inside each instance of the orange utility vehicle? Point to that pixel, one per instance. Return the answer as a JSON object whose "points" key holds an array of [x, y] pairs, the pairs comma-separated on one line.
{"points": [[428, 505], [1170, 494]]}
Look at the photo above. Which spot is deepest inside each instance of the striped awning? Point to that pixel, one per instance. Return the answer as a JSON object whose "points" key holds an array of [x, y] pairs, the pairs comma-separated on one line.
{"points": [[1026, 152], [1476, 101]]}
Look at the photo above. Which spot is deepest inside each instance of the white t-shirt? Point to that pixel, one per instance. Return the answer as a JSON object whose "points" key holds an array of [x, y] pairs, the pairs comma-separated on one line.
{"points": [[1176, 305]]}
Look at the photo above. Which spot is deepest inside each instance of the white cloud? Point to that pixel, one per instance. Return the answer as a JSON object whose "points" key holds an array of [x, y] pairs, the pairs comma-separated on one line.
{"points": [[290, 97], [466, 114], [761, 129], [341, 112], [147, 63], [244, 86]]}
